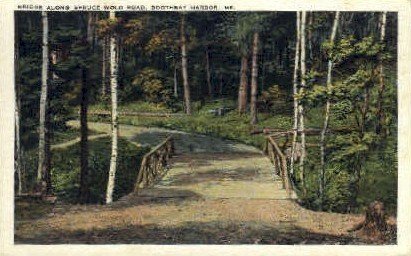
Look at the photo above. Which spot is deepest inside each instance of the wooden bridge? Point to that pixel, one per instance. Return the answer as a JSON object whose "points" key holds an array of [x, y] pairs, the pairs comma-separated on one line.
{"points": [[172, 170], [158, 161]]}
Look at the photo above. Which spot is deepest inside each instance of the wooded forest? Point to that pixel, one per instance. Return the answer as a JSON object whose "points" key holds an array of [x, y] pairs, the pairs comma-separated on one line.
{"points": [[327, 79]]}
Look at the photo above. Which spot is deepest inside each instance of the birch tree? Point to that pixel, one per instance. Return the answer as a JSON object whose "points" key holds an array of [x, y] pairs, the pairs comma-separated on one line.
{"points": [[295, 89], [187, 96], [18, 151], [104, 66], [43, 170], [301, 107], [254, 77], [380, 121], [114, 115], [327, 112]]}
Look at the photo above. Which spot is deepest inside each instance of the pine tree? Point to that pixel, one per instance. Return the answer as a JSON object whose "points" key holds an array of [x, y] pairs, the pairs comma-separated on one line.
{"points": [[254, 77], [187, 96]]}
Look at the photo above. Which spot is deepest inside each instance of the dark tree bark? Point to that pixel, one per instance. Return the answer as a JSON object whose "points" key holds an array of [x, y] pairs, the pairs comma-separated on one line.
{"points": [[175, 78], [187, 96], [242, 92], [84, 153], [254, 77], [209, 85], [84, 195]]}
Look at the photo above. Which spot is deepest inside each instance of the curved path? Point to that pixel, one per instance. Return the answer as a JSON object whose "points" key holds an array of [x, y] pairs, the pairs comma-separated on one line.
{"points": [[217, 192]]}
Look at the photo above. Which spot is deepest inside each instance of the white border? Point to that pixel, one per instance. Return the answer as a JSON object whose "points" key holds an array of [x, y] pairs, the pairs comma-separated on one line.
{"points": [[7, 246]]}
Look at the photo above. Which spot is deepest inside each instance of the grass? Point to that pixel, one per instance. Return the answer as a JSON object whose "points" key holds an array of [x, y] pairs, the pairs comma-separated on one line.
{"points": [[66, 169], [140, 106]]}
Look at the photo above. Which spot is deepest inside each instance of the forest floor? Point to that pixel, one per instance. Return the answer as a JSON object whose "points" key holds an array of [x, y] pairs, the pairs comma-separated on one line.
{"points": [[217, 192]]}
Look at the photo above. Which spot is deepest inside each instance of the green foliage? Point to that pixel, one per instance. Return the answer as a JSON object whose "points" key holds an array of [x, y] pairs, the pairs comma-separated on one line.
{"points": [[66, 170], [272, 95], [152, 84]]}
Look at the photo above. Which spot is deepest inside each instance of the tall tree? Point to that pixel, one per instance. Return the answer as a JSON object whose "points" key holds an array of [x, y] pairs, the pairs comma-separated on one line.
{"points": [[254, 77], [242, 92], [18, 151], [301, 107], [43, 171], [327, 112], [187, 96], [295, 89], [380, 121], [84, 153], [208, 72], [175, 82], [114, 115], [104, 66]]}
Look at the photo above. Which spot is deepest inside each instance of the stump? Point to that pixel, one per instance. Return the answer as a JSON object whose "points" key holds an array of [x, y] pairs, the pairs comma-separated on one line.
{"points": [[375, 225]]}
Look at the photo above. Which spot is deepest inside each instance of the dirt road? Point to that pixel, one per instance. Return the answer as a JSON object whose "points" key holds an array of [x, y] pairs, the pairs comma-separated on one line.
{"points": [[217, 192]]}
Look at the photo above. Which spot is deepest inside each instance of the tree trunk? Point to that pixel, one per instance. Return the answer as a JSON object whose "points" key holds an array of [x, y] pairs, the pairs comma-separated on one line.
{"points": [[187, 96], [175, 79], [327, 113], [43, 171], [242, 92], [114, 115], [301, 107], [104, 69], [310, 36], [210, 87], [364, 111], [221, 85], [84, 184], [18, 152], [254, 77], [380, 119], [295, 90]]}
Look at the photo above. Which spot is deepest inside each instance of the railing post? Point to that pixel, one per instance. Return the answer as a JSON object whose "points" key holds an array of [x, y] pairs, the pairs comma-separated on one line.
{"points": [[154, 163]]}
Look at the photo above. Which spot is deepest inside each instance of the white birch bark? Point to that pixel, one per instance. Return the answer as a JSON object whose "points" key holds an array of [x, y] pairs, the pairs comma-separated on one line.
{"points": [[104, 68], [18, 151], [295, 90], [301, 107], [327, 111], [43, 100], [114, 115], [383, 22]]}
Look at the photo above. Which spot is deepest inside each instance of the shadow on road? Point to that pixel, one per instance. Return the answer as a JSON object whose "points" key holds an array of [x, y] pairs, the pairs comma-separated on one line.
{"points": [[215, 232]]}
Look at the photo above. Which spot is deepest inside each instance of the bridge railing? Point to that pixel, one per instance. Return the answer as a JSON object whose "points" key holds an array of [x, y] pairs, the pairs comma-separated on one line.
{"points": [[155, 164], [279, 160]]}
